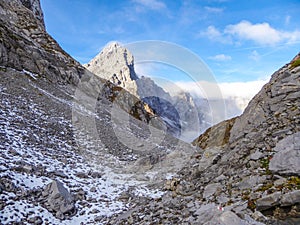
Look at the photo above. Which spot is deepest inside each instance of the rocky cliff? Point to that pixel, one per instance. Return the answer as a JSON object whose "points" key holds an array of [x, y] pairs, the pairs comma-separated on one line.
{"points": [[26, 46], [116, 64], [262, 146], [35, 7], [179, 113]]}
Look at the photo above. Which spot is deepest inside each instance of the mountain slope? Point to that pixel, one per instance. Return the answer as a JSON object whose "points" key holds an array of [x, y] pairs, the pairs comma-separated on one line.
{"points": [[261, 146], [66, 156], [248, 170]]}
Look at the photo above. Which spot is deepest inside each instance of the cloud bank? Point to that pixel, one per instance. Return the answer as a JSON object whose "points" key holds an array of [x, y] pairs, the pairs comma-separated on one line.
{"points": [[246, 90]]}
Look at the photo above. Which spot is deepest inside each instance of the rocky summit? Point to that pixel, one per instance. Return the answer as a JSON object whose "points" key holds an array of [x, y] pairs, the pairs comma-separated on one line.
{"points": [[180, 114], [76, 148]]}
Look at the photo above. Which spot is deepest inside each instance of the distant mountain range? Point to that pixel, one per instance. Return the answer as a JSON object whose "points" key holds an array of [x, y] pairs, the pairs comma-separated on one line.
{"points": [[184, 115]]}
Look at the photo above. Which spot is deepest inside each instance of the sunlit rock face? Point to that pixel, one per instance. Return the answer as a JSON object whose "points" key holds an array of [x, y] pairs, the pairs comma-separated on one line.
{"points": [[182, 117]]}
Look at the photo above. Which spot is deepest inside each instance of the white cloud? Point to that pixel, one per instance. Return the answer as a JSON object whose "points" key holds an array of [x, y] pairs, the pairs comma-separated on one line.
{"points": [[213, 9], [151, 4], [221, 57], [213, 32], [215, 35], [209, 90], [242, 89], [260, 33]]}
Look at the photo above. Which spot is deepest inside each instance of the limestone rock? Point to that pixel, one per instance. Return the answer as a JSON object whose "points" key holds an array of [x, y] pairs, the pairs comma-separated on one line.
{"points": [[37, 86], [286, 160], [278, 199], [290, 198], [212, 189], [230, 218], [215, 136], [270, 116], [58, 199], [35, 7], [179, 113], [25, 45], [268, 201], [209, 214], [115, 63]]}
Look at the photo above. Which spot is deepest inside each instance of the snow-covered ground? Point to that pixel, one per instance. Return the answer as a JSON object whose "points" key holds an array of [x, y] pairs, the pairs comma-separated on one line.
{"points": [[37, 147]]}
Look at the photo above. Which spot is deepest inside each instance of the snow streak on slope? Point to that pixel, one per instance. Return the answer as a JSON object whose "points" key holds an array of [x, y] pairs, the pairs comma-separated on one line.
{"points": [[37, 147]]}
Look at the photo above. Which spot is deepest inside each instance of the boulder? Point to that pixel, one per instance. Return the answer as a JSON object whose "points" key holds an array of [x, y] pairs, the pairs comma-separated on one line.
{"points": [[286, 160], [290, 198], [268, 201], [58, 199], [211, 214]]}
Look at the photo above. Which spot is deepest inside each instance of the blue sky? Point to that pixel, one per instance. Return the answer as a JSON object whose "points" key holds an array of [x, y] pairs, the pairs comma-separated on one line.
{"points": [[240, 41]]}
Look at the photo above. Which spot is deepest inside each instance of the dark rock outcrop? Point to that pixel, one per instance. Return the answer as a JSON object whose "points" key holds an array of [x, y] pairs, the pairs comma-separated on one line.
{"points": [[35, 7]]}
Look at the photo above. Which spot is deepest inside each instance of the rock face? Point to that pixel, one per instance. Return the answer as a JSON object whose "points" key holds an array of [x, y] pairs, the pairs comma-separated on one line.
{"points": [[116, 64], [261, 144], [181, 116], [35, 7], [25, 46], [215, 136]]}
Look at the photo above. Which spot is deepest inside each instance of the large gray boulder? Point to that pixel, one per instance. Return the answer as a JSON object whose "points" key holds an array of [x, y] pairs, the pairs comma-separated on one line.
{"points": [[290, 198], [58, 199], [268, 201], [286, 160], [210, 214], [278, 199]]}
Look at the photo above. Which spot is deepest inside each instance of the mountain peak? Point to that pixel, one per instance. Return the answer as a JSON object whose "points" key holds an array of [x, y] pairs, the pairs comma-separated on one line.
{"points": [[116, 64], [112, 46]]}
